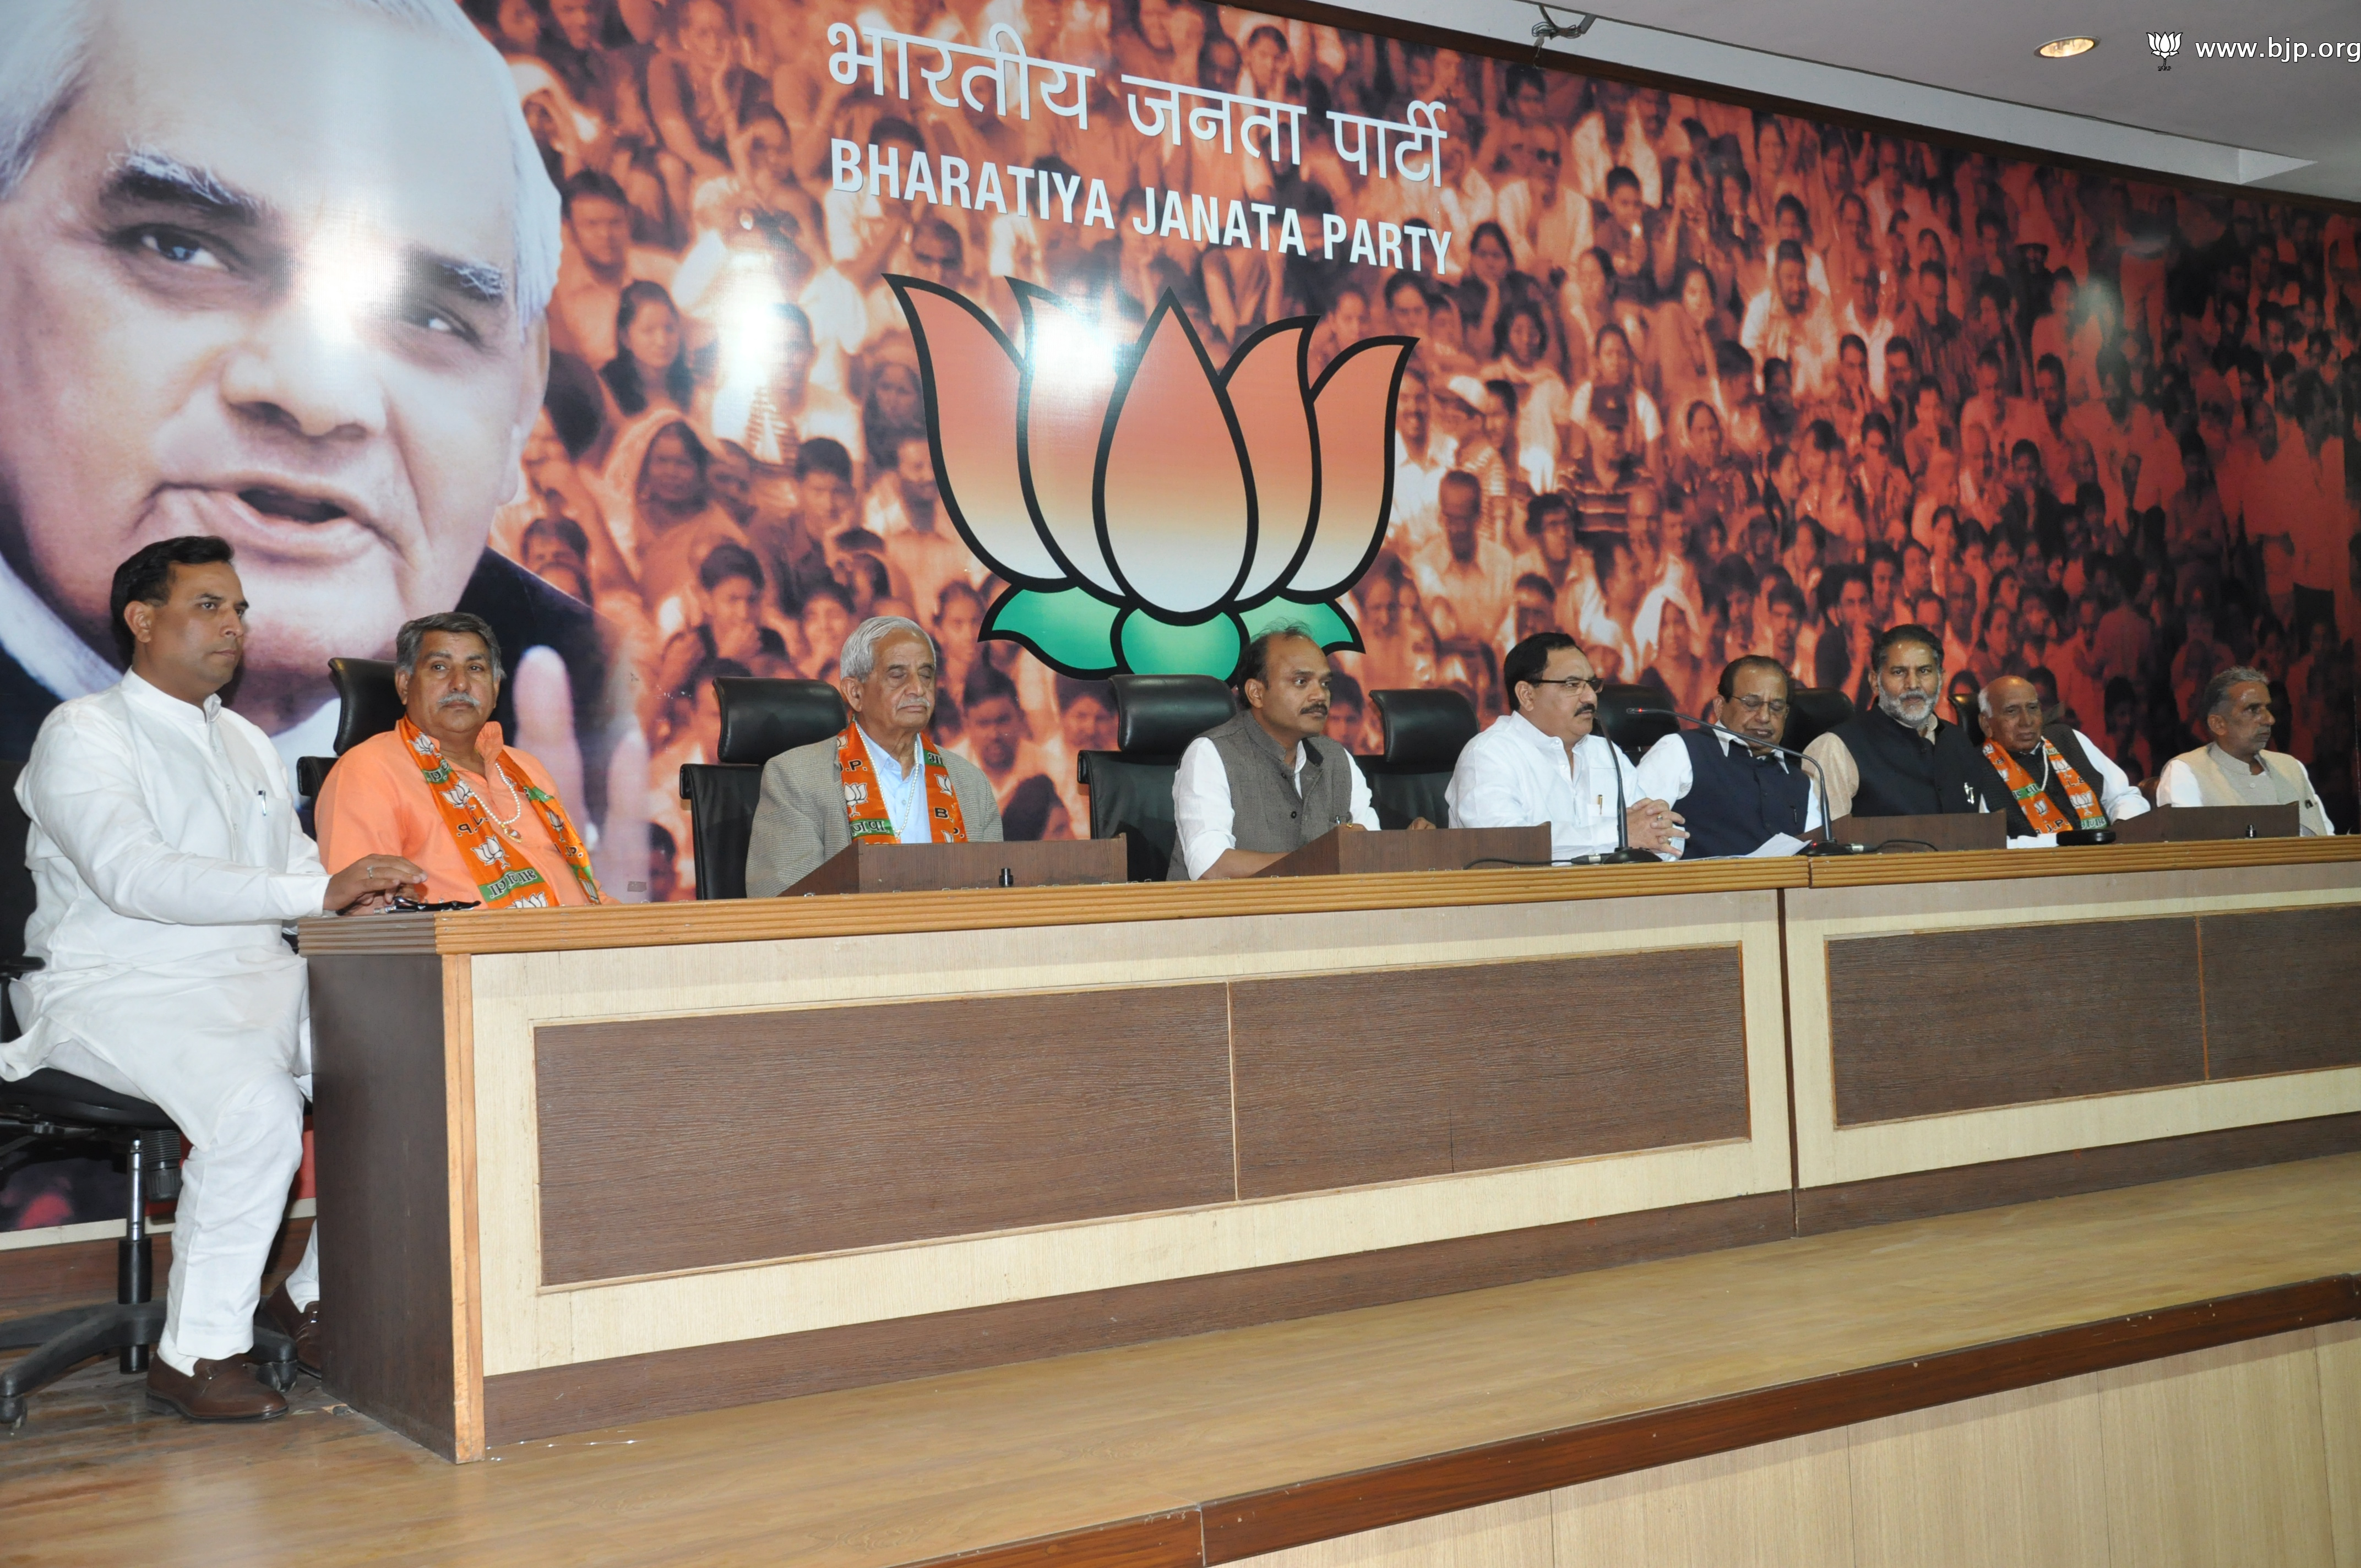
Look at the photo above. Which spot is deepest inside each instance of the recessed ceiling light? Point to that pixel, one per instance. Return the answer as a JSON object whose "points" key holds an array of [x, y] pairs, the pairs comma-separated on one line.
{"points": [[2066, 49]]}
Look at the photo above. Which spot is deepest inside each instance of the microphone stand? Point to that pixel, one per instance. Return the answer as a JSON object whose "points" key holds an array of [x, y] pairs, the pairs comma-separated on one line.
{"points": [[1622, 854], [1827, 846]]}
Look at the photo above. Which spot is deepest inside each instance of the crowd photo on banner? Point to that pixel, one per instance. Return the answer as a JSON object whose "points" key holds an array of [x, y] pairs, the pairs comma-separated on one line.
{"points": [[1692, 380]]}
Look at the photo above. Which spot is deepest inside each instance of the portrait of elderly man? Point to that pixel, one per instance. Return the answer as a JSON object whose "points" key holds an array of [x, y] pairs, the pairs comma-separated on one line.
{"points": [[442, 790], [1256, 788], [2236, 767], [166, 863], [1544, 761], [1734, 796], [273, 270], [2057, 776], [1901, 758], [880, 780]]}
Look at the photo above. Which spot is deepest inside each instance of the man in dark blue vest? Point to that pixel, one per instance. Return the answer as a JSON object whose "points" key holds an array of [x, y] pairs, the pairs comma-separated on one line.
{"points": [[1899, 758], [1735, 797]]}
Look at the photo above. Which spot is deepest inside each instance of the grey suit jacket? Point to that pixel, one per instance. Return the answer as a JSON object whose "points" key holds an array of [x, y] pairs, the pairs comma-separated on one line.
{"points": [[800, 822]]}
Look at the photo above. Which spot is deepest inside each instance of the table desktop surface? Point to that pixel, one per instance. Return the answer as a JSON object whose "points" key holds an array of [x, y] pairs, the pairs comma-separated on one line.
{"points": [[780, 919]]}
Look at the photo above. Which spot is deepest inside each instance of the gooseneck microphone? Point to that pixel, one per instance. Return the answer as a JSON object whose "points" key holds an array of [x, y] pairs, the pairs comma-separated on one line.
{"points": [[1622, 854], [1827, 846]]}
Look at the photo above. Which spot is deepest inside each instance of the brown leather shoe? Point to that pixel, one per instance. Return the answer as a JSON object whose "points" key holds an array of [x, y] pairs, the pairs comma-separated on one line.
{"points": [[303, 1327], [217, 1391]]}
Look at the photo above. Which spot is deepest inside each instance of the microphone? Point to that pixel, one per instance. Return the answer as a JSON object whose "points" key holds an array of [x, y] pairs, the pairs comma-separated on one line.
{"points": [[1827, 846], [1622, 854]]}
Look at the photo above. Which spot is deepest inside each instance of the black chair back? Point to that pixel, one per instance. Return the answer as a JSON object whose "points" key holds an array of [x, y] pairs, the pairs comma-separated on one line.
{"points": [[1424, 731], [761, 716], [366, 703], [1812, 712], [1131, 787], [1621, 721]]}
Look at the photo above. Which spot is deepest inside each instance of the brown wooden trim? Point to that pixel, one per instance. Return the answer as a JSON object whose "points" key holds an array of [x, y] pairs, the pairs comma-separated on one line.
{"points": [[579, 928], [1257, 1522], [2103, 859], [381, 1106], [976, 909], [38, 1279], [1176, 1539], [1922, 1194], [1575, 64], [520, 1406], [467, 1253]]}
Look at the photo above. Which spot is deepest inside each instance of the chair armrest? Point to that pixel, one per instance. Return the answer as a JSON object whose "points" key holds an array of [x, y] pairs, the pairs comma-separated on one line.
{"points": [[19, 967]]}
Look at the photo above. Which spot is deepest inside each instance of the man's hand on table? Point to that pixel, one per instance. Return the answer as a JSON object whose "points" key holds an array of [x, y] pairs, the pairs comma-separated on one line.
{"points": [[373, 882]]}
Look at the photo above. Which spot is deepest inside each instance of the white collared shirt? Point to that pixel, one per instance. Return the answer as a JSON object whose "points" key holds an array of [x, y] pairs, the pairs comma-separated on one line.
{"points": [[165, 857], [904, 795], [1202, 814], [1667, 775], [2179, 785], [1514, 775]]}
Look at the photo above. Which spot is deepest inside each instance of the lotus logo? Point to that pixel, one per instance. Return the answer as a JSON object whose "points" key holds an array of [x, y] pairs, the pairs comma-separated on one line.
{"points": [[2165, 45], [1149, 511]]}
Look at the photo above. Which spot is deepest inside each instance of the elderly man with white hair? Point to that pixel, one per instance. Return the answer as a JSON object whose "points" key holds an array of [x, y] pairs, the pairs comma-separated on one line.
{"points": [[880, 779]]}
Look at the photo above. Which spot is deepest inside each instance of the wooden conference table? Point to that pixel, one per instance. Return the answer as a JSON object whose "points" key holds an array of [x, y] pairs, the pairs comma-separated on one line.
{"points": [[579, 1166]]}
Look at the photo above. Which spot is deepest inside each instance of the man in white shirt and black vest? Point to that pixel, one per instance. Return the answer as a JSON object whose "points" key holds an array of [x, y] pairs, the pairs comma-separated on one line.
{"points": [[1900, 759], [1733, 796], [2056, 777], [2235, 768], [1254, 789]]}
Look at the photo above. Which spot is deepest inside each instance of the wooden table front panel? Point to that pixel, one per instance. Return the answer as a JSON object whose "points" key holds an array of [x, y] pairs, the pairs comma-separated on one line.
{"points": [[868, 1125]]}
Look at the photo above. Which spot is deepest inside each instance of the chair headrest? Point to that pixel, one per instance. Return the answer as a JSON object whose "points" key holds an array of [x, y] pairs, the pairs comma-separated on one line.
{"points": [[1159, 715], [1623, 722], [367, 704], [1424, 730], [1813, 712], [761, 716]]}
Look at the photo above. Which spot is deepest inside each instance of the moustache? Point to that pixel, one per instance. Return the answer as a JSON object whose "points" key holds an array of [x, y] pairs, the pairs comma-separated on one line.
{"points": [[459, 699], [1585, 710]]}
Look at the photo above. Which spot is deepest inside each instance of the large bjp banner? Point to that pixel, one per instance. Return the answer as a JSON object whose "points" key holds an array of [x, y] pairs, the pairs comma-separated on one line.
{"points": [[675, 337]]}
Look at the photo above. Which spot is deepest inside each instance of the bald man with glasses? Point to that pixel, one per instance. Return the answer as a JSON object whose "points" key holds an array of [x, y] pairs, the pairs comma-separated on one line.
{"points": [[1735, 796]]}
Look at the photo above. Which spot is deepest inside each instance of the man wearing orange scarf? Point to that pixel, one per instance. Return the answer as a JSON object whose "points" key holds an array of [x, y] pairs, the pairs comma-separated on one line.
{"points": [[879, 779], [2056, 777], [440, 788]]}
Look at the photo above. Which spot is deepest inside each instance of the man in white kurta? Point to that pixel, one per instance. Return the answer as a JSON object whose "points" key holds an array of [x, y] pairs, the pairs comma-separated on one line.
{"points": [[1543, 763], [2235, 768], [166, 861]]}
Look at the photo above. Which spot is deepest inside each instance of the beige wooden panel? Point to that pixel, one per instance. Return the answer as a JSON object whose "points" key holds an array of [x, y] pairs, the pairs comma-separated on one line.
{"points": [[1827, 1155], [2016, 1478], [2338, 1350], [1784, 1504], [1514, 1534], [526, 1327], [2217, 1458]]}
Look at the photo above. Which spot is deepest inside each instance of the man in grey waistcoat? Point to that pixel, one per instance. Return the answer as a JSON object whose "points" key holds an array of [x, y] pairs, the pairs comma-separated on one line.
{"points": [[2234, 768], [1265, 783]]}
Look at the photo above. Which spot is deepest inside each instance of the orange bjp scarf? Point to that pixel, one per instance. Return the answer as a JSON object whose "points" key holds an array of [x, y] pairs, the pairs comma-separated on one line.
{"points": [[2039, 809], [865, 799], [506, 880]]}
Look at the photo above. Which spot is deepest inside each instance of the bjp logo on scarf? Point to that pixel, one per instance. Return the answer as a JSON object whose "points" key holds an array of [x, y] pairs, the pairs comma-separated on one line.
{"points": [[1150, 512]]}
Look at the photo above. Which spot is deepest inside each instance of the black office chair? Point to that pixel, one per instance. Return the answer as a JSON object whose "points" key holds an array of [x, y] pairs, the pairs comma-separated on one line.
{"points": [[1131, 786], [1424, 731], [1812, 712], [759, 718], [1621, 721], [367, 704], [50, 1113]]}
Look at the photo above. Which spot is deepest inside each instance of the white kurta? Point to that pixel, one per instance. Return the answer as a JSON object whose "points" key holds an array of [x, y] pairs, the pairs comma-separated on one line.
{"points": [[1514, 775], [165, 857]]}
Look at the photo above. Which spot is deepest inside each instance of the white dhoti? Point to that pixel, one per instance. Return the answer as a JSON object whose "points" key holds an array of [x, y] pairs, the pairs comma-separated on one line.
{"points": [[166, 858]]}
